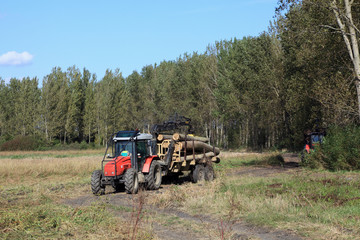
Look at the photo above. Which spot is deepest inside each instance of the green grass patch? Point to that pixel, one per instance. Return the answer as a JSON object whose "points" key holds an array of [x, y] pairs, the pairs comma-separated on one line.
{"points": [[326, 200]]}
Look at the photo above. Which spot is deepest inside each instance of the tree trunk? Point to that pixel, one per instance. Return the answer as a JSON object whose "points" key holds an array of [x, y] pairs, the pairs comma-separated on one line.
{"points": [[355, 49], [352, 44]]}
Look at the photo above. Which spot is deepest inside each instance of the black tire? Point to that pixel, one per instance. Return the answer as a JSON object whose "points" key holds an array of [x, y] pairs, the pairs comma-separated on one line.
{"points": [[209, 173], [153, 179], [96, 186], [131, 181], [198, 174]]}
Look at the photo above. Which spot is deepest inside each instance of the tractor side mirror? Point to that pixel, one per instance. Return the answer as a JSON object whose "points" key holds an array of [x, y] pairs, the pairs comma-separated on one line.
{"points": [[108, 156]]}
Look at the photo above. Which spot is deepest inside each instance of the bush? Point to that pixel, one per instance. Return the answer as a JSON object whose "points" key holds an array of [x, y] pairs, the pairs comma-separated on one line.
{"points": [[22, 143], [340, 150], [84, 145], [275, 160]]}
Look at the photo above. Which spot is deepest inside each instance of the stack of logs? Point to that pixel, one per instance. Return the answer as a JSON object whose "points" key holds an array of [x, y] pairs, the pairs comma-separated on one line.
{"points": [[188, 148]]}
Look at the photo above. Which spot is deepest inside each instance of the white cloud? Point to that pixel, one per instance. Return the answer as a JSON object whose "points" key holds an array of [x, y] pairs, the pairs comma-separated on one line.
{"points": [[13, 58]]}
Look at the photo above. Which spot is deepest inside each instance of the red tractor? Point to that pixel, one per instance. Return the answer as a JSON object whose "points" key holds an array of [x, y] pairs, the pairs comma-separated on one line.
{"points": [[139, 158], [132, 161]]}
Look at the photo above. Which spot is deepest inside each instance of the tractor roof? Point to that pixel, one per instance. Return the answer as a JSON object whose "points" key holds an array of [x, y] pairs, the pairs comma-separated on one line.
{"points": [[127, 135]]}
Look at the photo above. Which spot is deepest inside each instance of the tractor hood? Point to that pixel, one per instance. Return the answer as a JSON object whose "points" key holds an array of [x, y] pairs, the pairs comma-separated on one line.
{"points": [[122, 163]]}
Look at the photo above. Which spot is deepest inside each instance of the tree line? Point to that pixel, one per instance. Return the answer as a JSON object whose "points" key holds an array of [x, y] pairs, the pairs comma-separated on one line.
{"points": [[256, 92]]}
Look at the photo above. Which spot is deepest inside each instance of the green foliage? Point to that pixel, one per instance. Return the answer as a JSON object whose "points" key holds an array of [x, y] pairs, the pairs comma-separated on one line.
{"points": [[257, 92], [339, 151]]}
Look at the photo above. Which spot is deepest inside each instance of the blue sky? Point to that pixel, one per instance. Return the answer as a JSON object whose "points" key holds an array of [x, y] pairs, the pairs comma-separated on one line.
{"points": [[39, 35]]}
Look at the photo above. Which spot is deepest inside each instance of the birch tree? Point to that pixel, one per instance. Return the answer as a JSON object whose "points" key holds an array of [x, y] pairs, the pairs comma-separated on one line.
{"points": [[350, 32]]}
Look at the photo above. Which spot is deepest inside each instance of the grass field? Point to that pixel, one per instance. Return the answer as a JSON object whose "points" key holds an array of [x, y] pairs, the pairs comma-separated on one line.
{"points": [[33, 187], [314, 204]]}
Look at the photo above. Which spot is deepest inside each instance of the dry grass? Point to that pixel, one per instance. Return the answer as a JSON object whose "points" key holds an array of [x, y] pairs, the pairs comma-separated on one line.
{"points": [[318, 205], [13, 171], [31, 194], [226, 155], [33, 187], [313, 204], [52, 152]]}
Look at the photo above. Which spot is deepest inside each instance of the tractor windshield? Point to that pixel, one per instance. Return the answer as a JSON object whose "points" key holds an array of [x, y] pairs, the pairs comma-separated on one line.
{"points": [[124, 148], [316, 138]]}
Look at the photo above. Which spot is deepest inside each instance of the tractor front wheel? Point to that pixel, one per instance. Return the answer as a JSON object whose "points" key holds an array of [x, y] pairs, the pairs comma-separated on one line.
{"points": [[131, 181], [96, 186], [153, 178]]}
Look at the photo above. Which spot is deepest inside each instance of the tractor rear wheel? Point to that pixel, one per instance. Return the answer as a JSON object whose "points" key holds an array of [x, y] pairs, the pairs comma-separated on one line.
{"points": [[198, 174], [153, 178], [96, 186], [131, 181], [209, 173]]}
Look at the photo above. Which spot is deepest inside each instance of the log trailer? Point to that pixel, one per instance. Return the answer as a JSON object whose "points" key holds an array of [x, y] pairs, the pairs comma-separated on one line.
{"points": [[132, 158]]}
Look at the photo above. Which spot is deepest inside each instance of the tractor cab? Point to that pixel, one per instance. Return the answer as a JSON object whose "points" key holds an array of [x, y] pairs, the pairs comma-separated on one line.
{"points": [[133, 145], [314, 139], [127, 149]]}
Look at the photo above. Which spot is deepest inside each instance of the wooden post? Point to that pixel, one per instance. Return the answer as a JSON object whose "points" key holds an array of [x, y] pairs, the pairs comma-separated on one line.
{"points": [[185, 147]]}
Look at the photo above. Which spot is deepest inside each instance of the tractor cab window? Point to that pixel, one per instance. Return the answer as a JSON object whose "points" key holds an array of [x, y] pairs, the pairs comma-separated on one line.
{"points": [[315, 138], [124, 148], [141, 153], [141, 149], [318, 138]]}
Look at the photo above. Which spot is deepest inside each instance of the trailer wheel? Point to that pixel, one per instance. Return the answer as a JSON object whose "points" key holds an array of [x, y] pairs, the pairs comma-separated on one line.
{"points": [[209, 173], [198, 174], [131, 181], [96, 186], [153, 178]]}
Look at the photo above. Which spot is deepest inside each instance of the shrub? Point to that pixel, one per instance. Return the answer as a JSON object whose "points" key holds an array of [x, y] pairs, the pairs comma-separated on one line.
{"points": [[275, 160], [340, 150], [22, 143], [84, 145]]}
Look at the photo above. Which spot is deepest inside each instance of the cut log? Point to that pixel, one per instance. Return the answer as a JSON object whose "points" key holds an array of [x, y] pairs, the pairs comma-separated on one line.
{"points": [[209, 155], [162, 137], [198, 147], [181, 137]]}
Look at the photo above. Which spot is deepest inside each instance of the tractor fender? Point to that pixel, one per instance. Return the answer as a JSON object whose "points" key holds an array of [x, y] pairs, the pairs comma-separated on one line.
{"points": [[148, 162]]}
